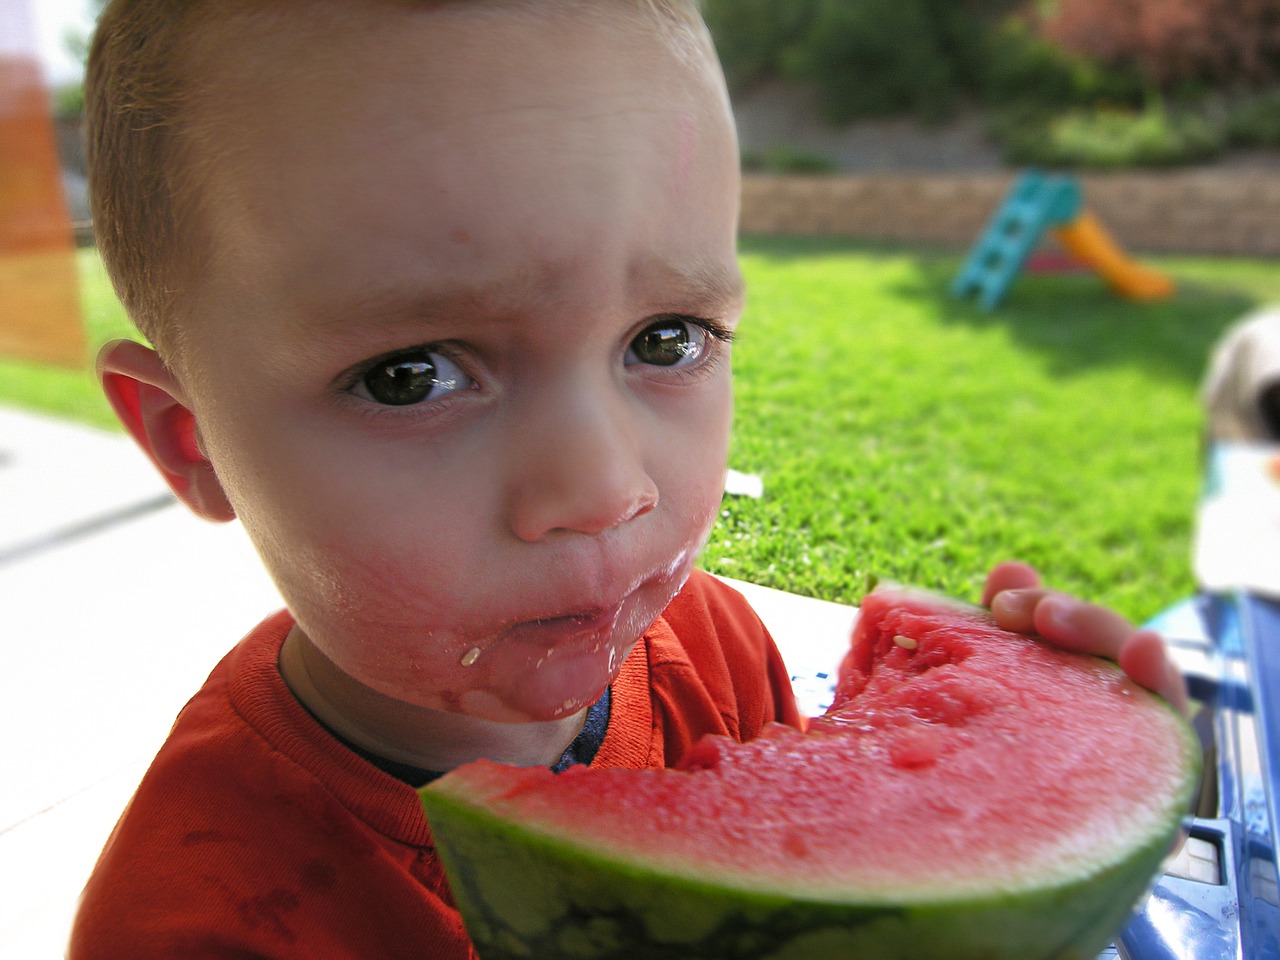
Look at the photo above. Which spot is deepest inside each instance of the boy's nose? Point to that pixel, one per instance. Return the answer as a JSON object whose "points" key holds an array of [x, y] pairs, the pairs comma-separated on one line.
{"points": [[578, 467]]}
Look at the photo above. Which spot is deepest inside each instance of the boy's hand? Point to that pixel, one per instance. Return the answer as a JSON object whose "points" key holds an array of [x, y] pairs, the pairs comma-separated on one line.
{"points": [[1019, 602]]}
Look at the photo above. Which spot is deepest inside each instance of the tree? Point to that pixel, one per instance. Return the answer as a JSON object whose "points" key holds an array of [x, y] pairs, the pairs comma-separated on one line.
{"points": [[1233, 42], [862, 57], [752, 36]]}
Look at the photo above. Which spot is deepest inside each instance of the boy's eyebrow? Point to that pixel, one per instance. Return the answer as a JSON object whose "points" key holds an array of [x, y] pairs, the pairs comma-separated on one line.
{"points": [[709, 285], [391, 303], [702, 288]]}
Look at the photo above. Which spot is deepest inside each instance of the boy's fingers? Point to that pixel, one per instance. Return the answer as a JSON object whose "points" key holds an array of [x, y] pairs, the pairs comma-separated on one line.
{"points": [[1015, 609], [1087, 628], [1145, 659], [1062, 620], [1081, 626], [1008, 576]]}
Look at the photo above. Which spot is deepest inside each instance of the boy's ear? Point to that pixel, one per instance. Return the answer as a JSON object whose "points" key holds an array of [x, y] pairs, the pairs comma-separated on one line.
{"points": [[153, 407]]}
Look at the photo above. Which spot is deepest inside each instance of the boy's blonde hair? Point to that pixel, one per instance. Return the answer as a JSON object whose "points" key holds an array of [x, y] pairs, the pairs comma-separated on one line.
{"points": [[146, 152]]}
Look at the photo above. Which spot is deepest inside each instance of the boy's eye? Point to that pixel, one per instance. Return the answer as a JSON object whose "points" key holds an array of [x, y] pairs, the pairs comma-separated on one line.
{"points": [[669, 342], [410, 377]]}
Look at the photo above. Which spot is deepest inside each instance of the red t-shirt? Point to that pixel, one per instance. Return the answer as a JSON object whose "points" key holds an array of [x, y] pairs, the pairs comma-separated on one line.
{"points": [[256, 833]]}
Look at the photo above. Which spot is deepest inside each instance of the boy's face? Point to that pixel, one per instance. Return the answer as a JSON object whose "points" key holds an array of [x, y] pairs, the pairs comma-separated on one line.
{"points": [[458, 356]]}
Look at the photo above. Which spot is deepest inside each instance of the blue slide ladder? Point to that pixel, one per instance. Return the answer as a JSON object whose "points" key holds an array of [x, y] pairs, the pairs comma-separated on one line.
{"points": [[1035, 202]]}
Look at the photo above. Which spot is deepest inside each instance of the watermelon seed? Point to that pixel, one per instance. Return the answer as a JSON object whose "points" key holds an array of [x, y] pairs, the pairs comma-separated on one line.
{"points": [[906, 643], [470, 657]]}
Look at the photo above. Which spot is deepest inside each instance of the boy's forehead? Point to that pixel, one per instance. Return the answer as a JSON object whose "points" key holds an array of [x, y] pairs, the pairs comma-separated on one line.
{"points": [[405, 68], [248, 39], [484, 140]]}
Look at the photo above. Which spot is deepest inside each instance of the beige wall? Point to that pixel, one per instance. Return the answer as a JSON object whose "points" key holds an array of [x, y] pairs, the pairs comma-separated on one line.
{"points": [[1209, 212]]}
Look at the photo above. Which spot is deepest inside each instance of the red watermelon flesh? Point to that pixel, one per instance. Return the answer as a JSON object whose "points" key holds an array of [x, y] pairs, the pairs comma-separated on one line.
{"points": [[959, 765]]}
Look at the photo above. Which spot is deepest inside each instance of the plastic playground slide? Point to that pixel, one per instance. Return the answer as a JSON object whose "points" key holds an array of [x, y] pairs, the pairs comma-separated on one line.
{"points": [[1037, 202], [1088, 240]]}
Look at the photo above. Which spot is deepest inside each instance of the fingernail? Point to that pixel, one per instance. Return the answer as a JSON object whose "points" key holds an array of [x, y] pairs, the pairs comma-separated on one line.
{"points": [[1011, 603]]}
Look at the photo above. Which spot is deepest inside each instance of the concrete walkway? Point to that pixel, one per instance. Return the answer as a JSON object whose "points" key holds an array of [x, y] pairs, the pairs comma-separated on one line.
{"points": [[115, 603]]}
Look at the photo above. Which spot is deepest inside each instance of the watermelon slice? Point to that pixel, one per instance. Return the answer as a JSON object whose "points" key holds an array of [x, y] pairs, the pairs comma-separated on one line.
{"points": [[971, 793]]}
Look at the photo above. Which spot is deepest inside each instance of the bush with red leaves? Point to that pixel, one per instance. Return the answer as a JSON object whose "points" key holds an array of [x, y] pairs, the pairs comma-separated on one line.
{"points": [[1236, 42]]}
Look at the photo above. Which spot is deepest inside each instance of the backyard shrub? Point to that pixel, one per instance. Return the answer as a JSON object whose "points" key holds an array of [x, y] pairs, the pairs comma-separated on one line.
{"points": [[1022, 69], [1173, 41], [875, 58], [1112, 138], [752, 35], [1254, 121], [1076, 83], [781, 158], [871, 58]]}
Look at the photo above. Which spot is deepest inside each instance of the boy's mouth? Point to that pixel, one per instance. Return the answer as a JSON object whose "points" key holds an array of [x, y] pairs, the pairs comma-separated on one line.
{"points": [[602, 612], [551, 664], [581, 633], [582, 621], [554, 666]]}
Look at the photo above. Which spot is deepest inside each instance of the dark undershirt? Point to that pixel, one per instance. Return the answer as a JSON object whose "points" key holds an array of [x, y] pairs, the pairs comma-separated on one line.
{"points": [[583, 750]]}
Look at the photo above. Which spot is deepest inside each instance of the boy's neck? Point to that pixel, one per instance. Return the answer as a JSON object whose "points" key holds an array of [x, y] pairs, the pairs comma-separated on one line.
{"points": [[399, 731]]}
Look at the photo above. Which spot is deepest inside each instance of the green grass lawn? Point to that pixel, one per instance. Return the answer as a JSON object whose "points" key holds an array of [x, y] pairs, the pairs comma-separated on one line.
{"points": [[903, 435]]}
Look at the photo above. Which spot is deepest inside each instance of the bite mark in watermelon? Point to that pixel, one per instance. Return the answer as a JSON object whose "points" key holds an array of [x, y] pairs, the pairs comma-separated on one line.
{"points": [[971, 793]]}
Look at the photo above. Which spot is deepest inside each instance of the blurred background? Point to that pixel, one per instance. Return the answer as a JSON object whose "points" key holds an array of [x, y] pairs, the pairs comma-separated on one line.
{"points": [[1097, 84]]}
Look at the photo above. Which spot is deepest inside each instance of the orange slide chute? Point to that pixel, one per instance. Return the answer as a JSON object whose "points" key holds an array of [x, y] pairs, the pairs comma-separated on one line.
{"points": [[39, 287], [1089, 241]]}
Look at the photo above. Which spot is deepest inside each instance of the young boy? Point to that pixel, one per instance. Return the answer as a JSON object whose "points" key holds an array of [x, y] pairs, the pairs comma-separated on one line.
{"points": [[441, 295]]}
